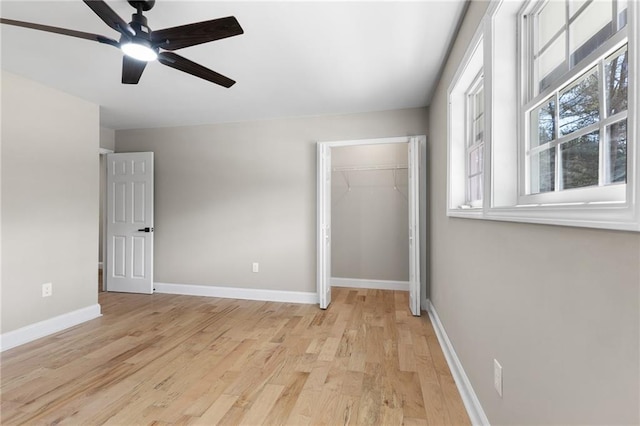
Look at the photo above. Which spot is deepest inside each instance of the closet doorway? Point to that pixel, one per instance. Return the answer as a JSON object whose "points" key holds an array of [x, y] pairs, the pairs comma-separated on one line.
{"points": [[338, 179]]}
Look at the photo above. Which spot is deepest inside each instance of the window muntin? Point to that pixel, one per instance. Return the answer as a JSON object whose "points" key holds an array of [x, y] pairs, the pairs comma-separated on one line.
{"points": [[577, 135], [475, 142]]}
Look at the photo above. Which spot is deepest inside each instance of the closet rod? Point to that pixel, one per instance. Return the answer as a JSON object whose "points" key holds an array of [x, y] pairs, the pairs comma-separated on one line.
{"points": [[362, 168]]}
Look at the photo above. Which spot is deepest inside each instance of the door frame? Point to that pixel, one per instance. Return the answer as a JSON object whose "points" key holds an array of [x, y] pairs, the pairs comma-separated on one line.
{"points": [[103, 224], [323, 226]]}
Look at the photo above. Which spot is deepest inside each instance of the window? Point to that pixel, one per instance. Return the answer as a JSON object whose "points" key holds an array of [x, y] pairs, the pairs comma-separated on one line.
{"points": [[575, 128], [467, 123], [543, 115], [475, 142]]}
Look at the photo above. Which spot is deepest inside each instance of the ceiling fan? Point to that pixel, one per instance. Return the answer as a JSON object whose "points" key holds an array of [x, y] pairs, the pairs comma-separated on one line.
{"points": [[141, 45]]}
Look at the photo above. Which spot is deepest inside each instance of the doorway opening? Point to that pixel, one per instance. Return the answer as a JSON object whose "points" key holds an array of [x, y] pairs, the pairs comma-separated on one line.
{"points": [[395, 158]]}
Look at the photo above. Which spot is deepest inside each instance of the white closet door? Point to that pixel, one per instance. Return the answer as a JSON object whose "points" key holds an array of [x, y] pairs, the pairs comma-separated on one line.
{"points": [[324, 226], [414, 231]]}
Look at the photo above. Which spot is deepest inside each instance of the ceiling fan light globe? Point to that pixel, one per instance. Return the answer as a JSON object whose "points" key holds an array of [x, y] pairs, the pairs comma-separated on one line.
{"points": [[139, 51]]}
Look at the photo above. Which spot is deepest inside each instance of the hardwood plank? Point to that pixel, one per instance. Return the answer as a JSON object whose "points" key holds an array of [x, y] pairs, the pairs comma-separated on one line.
{"points": [[286, 401], [302, 411], [217, 411], [263, 404], [169, 359]]}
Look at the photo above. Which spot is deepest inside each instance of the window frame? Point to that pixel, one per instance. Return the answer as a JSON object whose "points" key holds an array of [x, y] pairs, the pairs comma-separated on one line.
{"points": [[504, 146], [471, 66], [612, 193]]}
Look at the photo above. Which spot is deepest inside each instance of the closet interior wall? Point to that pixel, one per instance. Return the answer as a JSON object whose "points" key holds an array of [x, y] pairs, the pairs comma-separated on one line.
{"points": [[369, 212]]}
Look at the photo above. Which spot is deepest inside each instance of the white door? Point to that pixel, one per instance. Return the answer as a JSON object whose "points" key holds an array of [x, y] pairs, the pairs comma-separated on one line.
{"points": [[414, 234], [129, 236], [324, 225]]}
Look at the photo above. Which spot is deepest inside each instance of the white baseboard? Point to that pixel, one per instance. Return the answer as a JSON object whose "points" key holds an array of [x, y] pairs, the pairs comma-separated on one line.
{"points": [[424, 304], [237, 293], [47, 327], [469, 397], [372, 284]]}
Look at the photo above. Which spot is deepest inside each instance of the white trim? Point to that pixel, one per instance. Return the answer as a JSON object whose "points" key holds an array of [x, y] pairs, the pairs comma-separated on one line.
{"points": [[47, 327], [372, 284], [469, 397], [237, 293], [105, 151], [398, 139]]}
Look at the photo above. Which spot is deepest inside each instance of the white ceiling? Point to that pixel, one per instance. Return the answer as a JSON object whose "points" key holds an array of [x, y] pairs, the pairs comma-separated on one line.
{"points": [[294, 59]]}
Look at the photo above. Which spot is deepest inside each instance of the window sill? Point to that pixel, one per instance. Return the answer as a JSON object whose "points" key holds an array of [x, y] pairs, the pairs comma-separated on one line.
{"points": [[611, 216], [469, 213]]}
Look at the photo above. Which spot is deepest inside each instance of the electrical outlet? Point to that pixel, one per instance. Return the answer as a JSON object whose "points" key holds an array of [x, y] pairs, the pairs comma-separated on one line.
{"points": [[256, 267], [47, 289], [497, 376]]}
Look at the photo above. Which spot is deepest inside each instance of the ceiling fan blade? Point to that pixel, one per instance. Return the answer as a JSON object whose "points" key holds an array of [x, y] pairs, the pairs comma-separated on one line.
{"points": [[201, 32], [110, 17], [178, 62], [131, 70], [63, 31]]}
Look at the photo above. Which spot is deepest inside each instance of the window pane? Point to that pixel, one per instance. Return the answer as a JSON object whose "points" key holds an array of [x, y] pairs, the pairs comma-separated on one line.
{"points": [[543, 171], [551, 63], [591, 28], [479, 102], [622, 13], [617, 137], [478, 130], [580, 161], [551, 19], [543, 122], [476, 105], [475, 160], [616, 81], [579, 105], [475, 188], [575, 5]]}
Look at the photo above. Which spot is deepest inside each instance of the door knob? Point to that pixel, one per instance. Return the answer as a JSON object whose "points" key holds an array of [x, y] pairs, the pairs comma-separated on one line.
{"points": [[147, 229]]}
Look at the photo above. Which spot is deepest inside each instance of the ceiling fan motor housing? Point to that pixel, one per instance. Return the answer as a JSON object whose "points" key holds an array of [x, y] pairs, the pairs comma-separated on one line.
{"points": [[142, 4]]}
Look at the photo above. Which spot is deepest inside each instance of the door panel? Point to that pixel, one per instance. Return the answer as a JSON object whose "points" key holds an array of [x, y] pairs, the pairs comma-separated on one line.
{"points": [[129, 254], [324, 225], [414, 234]]}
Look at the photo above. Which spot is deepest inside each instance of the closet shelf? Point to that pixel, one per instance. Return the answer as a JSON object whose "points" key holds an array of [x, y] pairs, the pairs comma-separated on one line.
{"points": [[365, 168]]}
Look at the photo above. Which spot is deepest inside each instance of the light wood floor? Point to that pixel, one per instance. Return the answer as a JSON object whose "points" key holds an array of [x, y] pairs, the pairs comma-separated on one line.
{"points": [[165, 359]]}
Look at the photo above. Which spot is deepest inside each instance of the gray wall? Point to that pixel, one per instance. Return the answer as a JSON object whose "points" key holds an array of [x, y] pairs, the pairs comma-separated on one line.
{"points": [[369, 213], [49, 202], [231, 194], [558, 307], [107, 138]]}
